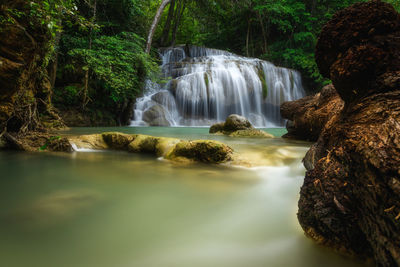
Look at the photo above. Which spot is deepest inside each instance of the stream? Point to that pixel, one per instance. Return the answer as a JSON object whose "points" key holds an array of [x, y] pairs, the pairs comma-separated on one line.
{"points": [[115, 209]]}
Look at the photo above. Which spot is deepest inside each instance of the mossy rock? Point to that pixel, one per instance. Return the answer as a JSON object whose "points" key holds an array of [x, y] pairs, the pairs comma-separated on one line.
{"points": [[164, 145], [251, 133], [93, 141], [59, 145], [201, 151], [236, 122], [143, 144], [218, 127], [118, 141]]}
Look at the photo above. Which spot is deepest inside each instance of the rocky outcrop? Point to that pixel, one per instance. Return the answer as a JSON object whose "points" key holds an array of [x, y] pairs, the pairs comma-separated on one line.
{"points": [[308, 116], [238, 126], [351, 193], [201, 150], [173, 149], [359, 50]]}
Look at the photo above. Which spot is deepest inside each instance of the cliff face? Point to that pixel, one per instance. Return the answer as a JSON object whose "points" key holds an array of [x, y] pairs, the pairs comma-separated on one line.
{"points": [[24, 85], [350, 199]]}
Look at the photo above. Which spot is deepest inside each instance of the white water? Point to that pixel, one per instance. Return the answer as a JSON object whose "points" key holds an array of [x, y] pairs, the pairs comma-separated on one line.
{"points": [[208, 85]]}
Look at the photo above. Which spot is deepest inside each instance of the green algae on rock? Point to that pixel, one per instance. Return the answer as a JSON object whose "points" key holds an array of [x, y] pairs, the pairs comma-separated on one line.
{"points": [[117, 140], [171, 148], [238, 126], [201, 150]]}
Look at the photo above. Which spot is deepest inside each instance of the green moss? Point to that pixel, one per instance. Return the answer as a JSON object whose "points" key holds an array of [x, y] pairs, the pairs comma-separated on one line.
{"points": [[202, 151], [263, 82], [143, 144], [117, 140], [251, 133]]}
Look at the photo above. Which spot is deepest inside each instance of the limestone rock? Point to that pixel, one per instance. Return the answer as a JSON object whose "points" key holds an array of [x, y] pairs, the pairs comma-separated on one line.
{"points": [[238, 126], [92, 141], [118, 141], [218, 127], [236, 122], [156, 116], [202, 151], [143, 144]]}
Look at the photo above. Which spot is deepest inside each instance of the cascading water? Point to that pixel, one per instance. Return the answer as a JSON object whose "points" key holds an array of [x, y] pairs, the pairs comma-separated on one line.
{"points": [[207, 85]]}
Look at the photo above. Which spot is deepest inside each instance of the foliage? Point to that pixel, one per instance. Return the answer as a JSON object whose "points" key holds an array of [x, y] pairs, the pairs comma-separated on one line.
{"points": [[117, 63], [283, 31]]}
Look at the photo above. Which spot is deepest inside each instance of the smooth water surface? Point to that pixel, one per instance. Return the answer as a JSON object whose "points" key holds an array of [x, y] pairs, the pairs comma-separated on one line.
{"points": [[114, 209]]}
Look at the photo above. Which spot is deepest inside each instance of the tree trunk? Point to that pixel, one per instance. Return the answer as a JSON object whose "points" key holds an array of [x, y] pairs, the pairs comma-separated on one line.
{"points": [[264, 33], [154, 24], [54, 62], [180, 10], [167, 26], [247, 37], [85, 98]]}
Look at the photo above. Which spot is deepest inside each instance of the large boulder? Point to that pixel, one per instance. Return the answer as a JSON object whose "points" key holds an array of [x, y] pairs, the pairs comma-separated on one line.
{"points": [[358, 46], [351, 193], [237, 126], [202, 151], [156, 116], [236, 122], [308, 116], [118, 141]]}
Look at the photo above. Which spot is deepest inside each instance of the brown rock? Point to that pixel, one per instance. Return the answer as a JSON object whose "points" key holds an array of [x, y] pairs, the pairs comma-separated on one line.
{"points": [[350, 196], [308, 116], [358, 45]]}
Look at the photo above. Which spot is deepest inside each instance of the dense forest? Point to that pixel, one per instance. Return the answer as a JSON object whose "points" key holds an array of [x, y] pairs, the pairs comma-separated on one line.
{"points": [[95, 54]]}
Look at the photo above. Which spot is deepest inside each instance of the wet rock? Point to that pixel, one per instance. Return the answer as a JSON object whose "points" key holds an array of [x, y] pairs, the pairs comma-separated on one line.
{"points": [[308, 116], [218, 127], [164, 145], [250, 133], [170, 148], [143, 144], [156, 116], [202, 151], [59, 145], [238, 126], [93, 141], [349, 199], [236, 122], [118, 141]]}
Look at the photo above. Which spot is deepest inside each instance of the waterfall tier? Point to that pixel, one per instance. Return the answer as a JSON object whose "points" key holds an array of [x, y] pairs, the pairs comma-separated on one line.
{"points": [[207, 85]]}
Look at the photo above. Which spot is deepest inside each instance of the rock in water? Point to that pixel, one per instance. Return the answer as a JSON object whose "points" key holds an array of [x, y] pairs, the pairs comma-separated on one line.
{"points": [[236, 122], [202, 151], [237, 126], [351, 193], [156, 116]]}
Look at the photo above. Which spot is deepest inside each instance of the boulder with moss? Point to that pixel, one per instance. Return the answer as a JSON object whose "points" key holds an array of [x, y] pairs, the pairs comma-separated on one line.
{"points": [[118, 141], [238, 126], [201, 151]]}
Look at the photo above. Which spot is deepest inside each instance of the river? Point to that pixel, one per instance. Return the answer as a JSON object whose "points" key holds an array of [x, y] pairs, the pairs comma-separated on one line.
{"points": [[114, 209]]}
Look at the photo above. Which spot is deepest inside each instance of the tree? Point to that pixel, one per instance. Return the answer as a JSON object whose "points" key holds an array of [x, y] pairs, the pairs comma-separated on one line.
{"points": [[153, 27]]}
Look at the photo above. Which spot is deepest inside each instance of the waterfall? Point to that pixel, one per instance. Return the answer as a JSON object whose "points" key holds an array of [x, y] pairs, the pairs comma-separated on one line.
{"points": [[207, 85]]}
